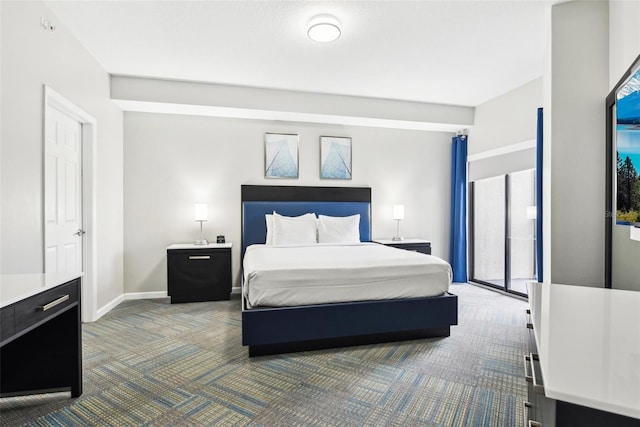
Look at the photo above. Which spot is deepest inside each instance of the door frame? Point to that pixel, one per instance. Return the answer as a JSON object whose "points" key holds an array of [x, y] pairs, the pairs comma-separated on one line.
{"points": [[89, 163]]}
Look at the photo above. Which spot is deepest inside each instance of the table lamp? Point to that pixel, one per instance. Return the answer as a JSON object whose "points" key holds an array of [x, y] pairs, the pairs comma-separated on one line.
{"points": [[398, 215], [201, 216]]}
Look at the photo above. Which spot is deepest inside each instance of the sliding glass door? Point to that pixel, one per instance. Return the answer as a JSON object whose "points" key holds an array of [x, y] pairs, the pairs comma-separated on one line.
{"points": [[503, 231], [488, 230], [522, 228]]}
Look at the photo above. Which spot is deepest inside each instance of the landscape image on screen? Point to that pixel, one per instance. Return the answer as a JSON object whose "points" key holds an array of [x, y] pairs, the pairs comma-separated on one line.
{"points": [[628, 151]]}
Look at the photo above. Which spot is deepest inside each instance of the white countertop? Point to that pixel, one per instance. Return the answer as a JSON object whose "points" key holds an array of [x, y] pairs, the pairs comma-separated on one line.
{"points": [[16, 287], [589, 345], [194, 246], [393, 242]]}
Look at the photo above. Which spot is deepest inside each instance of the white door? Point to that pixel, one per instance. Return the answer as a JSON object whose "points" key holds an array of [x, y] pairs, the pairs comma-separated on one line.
{"points": [[62, 192]]}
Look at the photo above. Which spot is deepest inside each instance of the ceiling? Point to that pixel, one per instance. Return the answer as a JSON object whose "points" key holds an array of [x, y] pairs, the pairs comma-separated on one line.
{"points": [[447, 52]]}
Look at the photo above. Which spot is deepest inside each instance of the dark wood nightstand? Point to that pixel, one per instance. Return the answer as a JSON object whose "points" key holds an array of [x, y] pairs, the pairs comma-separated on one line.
{"points": [[199, 272], [416, 245]]}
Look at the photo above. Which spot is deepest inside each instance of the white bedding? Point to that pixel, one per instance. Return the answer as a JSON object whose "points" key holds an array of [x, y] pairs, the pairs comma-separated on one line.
{"points": [[281, 276]]}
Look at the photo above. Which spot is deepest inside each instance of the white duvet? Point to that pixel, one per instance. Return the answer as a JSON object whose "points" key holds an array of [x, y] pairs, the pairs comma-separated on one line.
{"points": [[281, 276]]}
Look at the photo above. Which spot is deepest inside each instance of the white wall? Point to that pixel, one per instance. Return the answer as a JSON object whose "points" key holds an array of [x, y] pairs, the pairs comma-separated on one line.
{"points": [[32, 57], [507, 119], [173, 161], [624, 37], [574, 143], [624, 47]]}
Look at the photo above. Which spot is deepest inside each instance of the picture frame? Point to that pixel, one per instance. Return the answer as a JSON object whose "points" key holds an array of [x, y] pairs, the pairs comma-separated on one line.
{"points": [[335, 157], [281, 155]]}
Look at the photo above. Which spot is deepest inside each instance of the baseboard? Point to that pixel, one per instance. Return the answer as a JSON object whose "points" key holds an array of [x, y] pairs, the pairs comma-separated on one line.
{"points": [[145, 295], [126, 297], [109, 306]]}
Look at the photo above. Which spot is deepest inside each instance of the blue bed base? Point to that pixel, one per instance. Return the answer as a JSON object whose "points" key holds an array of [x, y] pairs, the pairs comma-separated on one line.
{"points": [[269, 330]]}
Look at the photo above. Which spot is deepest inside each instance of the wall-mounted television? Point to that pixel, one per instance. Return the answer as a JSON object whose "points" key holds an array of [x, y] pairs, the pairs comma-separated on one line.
{"points": [[622, 159], [626, 143]]}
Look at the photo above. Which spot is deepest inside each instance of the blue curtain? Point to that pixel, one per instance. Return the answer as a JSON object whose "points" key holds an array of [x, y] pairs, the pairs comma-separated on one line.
{"points": [[539, 236], [458, 245]]}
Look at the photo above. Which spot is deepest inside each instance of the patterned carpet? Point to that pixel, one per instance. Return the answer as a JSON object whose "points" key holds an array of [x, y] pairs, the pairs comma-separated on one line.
{"points": [[152, 363]]}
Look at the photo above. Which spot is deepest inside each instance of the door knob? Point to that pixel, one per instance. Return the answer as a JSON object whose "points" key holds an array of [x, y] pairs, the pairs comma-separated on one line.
{"points": [[80, 232]]}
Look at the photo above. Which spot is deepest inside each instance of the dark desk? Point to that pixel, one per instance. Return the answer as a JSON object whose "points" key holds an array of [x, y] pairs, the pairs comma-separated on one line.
{"points": [[582, 369], [40, 334]]}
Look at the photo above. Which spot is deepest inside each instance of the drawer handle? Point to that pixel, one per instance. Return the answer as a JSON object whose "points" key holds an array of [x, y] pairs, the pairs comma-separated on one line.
{"points": [[537, 386], [525, 412], [52, 303], [200, 257], [527, 365], [529, 325]]}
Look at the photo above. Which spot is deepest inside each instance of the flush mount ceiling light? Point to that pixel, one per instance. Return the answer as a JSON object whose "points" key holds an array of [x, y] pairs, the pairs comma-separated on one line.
{"points": [[323, 28]]}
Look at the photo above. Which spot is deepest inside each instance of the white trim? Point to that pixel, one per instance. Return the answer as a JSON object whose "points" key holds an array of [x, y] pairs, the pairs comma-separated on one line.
{"points": [[89, 198], [127, 297], [145, 295], [503, 150], [109, 306], [287, 116]]}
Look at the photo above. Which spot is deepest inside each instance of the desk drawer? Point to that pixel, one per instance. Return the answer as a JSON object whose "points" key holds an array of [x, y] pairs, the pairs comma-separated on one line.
{"points": [[45, 304], [7, 319]]}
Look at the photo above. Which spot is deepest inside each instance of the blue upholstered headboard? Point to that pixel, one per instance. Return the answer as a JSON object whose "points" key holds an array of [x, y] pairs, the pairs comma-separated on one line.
{"points": [[258, 200]]}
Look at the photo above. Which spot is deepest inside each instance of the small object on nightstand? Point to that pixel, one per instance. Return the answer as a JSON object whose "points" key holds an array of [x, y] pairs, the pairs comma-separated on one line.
{"points": [[398, 215], [199, 272], [220, 239], [416, 245]]}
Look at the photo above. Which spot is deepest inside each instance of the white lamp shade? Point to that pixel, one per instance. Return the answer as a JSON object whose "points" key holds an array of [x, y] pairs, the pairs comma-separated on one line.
{"points": [[532, 212], [398, 211], [201, 212]]}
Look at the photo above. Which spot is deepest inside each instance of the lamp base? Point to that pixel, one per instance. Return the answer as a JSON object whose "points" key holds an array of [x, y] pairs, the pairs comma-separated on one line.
{"points": [[202, 242], [397, 239]]}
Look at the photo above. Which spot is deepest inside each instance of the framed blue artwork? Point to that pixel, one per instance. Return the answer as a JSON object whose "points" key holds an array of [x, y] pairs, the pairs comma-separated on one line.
{"points": [[335, 157], [280, 155]]}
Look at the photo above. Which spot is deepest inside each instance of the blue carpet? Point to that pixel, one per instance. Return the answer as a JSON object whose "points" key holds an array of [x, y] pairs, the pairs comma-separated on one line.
{"points": [[150, 363]]}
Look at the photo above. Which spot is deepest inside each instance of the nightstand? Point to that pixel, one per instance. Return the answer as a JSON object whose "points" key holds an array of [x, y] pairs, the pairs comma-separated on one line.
{"points": [[416, 245], [199, 272]]}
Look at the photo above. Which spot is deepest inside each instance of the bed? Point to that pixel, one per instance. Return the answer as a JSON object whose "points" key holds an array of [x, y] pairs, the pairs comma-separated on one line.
{"points": [[296, 324]]}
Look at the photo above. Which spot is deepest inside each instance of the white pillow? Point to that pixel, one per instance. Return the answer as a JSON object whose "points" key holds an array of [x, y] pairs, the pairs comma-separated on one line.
{"points": [[339, 229], [269, 219], [299, 230]]}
